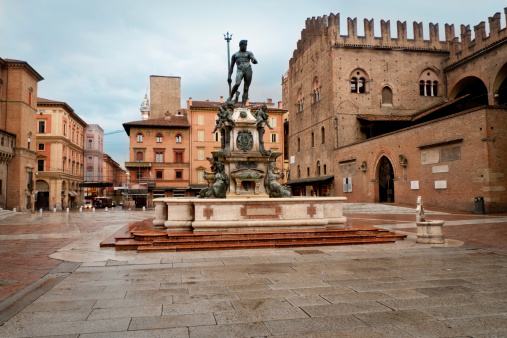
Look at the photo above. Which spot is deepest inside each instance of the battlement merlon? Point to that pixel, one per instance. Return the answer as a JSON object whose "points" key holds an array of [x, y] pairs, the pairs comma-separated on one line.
{"points": [[327, 30]]}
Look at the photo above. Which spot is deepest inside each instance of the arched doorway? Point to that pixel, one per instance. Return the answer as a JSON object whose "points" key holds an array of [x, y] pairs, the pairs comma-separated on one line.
{"points": [[475, 88], [42, 197], [385, 181]]}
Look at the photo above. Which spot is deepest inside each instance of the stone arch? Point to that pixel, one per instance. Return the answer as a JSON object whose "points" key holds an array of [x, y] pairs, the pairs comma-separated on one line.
{"points": [[472, 86], [382, 152], [41, 185], [500, 86], [387, 95]]}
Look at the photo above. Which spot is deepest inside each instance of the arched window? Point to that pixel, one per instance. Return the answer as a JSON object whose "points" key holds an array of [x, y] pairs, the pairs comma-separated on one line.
{"points": [[429, 88], [299, 171], [178, 138], [353, 85], [299, 144], [323, 134], [387, 96], [316, 90], [318, 168], [422, 88], [361, 85], [139, 156], [300, 101], [313, 140], [428, 83], [139, 137], [159, 138], [358, 81]]}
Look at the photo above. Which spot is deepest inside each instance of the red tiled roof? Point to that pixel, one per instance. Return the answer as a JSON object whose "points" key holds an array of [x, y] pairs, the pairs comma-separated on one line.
{"points": [[215, 104], [175, 121], [409, 118]]}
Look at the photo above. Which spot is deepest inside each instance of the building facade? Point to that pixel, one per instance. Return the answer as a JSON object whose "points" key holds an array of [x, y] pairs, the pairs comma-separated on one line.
{"points": [[371, 117], [60, 156], [159, 158], [18, 111], [94, 184], [117, 176]]}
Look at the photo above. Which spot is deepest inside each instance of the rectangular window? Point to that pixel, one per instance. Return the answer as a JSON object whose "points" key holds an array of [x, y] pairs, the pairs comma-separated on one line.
{"points": [[273, 122], [179, 174], [159, 156], [41, 146], [42, 127], [40, 165], [274, 138], [159, 174], [217, 136], [200, 135], [200, 154], [90, 143], [178, 156], [200, 176], [65, 129], [200, 120], [90, 159]]}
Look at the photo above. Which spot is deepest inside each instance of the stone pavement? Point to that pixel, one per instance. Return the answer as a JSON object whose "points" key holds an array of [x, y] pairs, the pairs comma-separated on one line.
{"points": [[398, 290]]}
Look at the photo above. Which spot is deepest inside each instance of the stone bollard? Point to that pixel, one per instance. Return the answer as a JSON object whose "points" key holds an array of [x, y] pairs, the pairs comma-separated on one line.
{"points": [[93, 209], [40, 210], [14, 209], [67, 210], [80, 209], [106, 209], [54, 209], [144, 208]]}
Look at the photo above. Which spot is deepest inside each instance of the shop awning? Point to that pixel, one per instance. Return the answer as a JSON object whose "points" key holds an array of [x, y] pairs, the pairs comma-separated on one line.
{"points": [[309, 180], [73, 193]]}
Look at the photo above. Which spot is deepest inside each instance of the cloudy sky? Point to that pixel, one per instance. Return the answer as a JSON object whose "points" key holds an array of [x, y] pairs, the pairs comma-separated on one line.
{"points": [[98, 55]]}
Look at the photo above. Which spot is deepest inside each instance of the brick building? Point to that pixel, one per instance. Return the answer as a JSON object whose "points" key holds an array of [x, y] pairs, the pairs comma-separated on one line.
{"points": [[382, 119], [18, 110], [60, 156]]}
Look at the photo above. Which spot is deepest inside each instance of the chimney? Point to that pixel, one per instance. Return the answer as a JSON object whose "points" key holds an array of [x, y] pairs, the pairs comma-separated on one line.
{"points": [[167, 116], [279, 104], [221, 99], [270, 100], [189, 101]]}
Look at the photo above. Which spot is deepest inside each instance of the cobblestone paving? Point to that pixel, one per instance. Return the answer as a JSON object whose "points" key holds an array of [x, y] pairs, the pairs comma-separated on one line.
{"points": [[395, 290]]}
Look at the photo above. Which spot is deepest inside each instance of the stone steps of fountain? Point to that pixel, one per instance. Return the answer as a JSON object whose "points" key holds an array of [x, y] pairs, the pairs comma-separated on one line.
{"points": [[146, 239], [260, 245]]}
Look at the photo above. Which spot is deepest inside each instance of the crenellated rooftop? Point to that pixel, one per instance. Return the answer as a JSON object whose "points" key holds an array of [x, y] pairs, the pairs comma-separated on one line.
{"points": [[328, 27]]}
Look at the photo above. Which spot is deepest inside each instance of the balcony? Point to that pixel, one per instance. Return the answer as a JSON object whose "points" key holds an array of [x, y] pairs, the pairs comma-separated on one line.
{"points": [[138, 164]]}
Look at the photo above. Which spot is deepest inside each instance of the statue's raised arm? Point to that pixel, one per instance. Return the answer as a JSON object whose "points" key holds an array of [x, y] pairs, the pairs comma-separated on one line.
{"points": [[242, 61]]}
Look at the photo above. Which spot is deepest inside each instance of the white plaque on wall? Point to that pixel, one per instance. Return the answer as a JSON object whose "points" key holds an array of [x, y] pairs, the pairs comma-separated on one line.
{"points": [[440, 169], [414, 185], [440, 184], [292, 159]]}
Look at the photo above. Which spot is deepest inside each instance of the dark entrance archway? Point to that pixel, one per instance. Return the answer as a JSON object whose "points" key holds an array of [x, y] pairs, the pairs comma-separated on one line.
{"points": [[386, 181], [474, 88], [42, 197]]}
